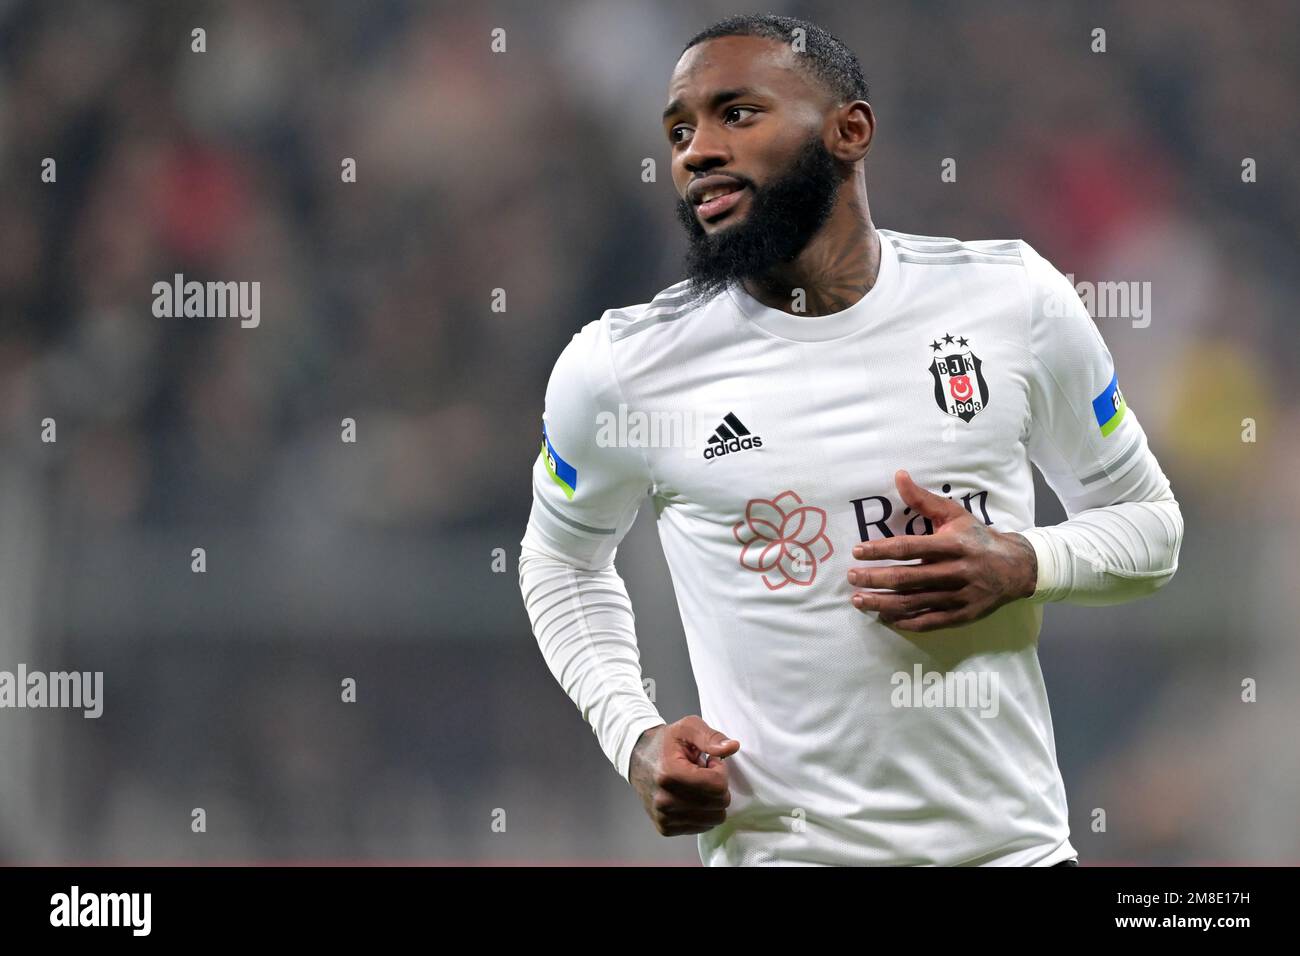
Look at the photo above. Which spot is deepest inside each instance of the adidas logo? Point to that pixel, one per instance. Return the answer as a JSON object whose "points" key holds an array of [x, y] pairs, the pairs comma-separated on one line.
{"points": [[731, 435]]}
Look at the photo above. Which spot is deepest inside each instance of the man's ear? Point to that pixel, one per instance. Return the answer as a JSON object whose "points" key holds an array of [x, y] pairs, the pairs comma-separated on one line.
{"points": [[857, 130]]}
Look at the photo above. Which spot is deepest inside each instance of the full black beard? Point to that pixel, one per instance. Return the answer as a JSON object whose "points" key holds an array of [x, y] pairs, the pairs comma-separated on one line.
{"points": [[784, 216]]}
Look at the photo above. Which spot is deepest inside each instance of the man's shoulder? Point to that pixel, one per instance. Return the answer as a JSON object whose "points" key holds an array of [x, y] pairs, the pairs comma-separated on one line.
{"points": [[948, 251], [643, 332], [948, 266], [667, 311]]}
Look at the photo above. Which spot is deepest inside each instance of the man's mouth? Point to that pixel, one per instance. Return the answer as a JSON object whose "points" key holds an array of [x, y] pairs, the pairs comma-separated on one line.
{"points": [[718, 201]]}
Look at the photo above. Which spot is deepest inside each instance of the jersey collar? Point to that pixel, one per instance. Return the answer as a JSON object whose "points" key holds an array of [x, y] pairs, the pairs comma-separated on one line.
{"points": [[823, 328]]}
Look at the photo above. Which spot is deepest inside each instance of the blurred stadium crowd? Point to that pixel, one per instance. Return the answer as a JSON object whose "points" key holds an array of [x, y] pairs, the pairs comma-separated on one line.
{"points": [[521, 171]]}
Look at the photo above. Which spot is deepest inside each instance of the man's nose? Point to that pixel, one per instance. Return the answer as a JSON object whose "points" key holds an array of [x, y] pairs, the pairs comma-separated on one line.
{"points": [[706, 150]]}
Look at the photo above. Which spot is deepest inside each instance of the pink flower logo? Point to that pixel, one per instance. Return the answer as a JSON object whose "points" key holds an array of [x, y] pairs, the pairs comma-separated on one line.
{"points": [[783, 539]]}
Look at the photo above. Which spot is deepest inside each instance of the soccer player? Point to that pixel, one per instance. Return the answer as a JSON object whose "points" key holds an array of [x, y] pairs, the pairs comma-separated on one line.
{"points": [[835, 424]]}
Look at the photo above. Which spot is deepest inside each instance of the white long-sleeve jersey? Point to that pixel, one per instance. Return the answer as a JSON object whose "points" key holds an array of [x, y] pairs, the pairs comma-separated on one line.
{"points": [[768, 443]]}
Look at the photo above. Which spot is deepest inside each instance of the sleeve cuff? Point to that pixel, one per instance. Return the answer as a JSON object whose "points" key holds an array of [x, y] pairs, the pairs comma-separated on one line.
{"points": [[634, 732], [1048, 574]]}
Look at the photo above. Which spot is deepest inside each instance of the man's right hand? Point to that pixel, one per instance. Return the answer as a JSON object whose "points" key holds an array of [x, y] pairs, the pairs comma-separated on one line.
{"points": [[679, 794]]}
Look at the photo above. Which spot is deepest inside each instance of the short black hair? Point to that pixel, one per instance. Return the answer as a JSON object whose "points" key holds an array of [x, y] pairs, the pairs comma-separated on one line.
{"points": [[833, 65]]}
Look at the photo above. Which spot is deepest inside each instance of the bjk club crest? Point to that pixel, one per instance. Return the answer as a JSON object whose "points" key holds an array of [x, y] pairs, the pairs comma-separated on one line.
{"points": [[959, 386], [783, 539]]}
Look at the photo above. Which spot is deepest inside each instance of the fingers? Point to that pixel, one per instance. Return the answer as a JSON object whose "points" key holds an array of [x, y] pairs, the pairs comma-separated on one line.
{"points": [[904, 546], [944, 576], [676, 819], [688, 804], [934, 620], [683, 777], [685, 806], [893, 607], [688, 794], [924, 501], [685, 795], [699, 735]]}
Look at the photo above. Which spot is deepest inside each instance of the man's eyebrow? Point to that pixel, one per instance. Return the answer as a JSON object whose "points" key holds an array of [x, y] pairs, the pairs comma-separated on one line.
{"points": [[716, 100]]}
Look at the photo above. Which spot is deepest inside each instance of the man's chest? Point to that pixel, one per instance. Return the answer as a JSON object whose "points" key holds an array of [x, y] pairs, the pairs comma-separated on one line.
{"points": [[757, 419]]}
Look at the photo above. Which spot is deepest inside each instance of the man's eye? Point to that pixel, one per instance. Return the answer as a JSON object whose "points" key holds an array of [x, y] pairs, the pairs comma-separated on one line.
{"points": [[676, 140]]}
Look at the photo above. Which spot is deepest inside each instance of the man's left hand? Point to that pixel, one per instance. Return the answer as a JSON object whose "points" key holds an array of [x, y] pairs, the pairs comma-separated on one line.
{"points": [[967, 571]]}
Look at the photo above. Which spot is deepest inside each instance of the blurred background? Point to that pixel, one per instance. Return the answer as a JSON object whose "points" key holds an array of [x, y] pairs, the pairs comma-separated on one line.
{"points": [[392, 560]]}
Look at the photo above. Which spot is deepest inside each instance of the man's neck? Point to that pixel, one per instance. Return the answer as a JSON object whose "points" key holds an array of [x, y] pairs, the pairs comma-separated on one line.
{"points": [[837, 269]]}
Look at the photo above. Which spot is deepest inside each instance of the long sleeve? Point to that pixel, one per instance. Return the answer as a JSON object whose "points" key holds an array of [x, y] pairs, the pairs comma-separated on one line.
{"points": [[587, 490], [1124, 528], [584, 626]]}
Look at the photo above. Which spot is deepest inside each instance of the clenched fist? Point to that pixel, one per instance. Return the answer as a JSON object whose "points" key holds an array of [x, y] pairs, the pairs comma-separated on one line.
{"points": [[679, 772]]}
